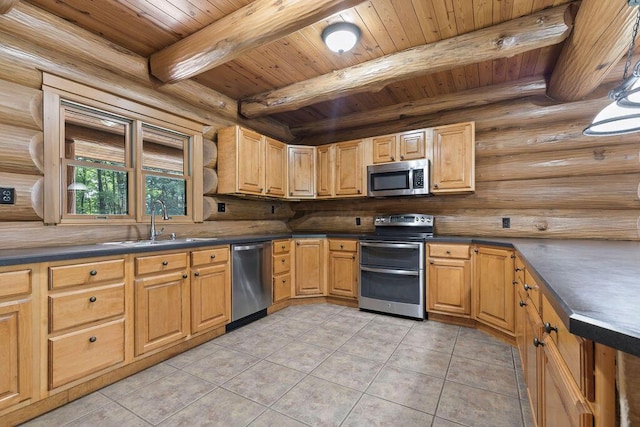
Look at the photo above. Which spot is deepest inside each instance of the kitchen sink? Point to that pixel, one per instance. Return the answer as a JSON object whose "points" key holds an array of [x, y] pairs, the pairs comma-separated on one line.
{"points": [[136, 243]]}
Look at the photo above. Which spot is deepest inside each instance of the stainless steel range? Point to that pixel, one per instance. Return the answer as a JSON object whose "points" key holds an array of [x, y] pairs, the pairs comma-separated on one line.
{"points": [[392, 265]]}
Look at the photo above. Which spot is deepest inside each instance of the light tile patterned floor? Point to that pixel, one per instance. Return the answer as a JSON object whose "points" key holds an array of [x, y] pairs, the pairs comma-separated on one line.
{"points": [[320, 365]]}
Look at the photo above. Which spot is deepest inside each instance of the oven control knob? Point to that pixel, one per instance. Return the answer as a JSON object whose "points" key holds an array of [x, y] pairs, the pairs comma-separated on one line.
{"points": [[422, 219]]}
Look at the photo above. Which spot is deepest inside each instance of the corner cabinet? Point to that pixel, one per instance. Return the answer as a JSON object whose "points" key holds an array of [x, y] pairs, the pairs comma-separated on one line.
{"points": [[340, 170], [302, 171], [250, 163], [310, 277], [494, 293], [210, 288], [343, 268], [449, 272], [453, 168]]}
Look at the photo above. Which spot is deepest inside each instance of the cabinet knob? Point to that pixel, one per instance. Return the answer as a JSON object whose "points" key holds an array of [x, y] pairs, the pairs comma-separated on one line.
{"points": [[282, 247], [513, 256], [268, 190], [93, 339], [519, 269], [353, 257], [165, 263], [283, 260], [393, 158], [431, 262], [475, 250], [93, 299], [291, 193], [402, 157], [537, 342], [284, 281], [448, 252], [341, 246], [359, 191], [196, 274], [522, 303], [185, 275], [548, 328], [527, 287], [213, 256], [515, 282], [435, 185], [93, 272], [260, 189]]}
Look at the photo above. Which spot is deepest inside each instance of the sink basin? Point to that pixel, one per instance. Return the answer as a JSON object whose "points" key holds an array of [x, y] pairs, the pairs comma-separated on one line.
{"points": [[135, 243]]}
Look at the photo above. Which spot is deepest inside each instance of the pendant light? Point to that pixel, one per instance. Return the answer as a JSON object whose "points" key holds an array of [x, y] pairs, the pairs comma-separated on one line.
{"points": [[341, 37], [622, 116]]}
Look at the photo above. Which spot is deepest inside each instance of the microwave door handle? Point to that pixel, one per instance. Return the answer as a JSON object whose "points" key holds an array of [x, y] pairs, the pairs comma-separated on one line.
{"points": [[392, 245], [388, 271], [410, 184]]}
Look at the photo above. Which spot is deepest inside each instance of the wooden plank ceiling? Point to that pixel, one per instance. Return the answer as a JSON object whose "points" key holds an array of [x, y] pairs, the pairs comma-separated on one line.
{"points": [[388, 26]]}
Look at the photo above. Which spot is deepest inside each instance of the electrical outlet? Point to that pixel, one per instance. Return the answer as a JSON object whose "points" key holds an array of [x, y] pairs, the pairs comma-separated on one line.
{"points": [[357, 221], [221, 207], [273, 209], [506, 222], [7, 196]]}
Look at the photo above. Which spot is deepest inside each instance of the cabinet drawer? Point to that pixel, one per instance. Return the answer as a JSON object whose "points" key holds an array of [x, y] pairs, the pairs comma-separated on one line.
{"points": [[85, 306], [75, 355], [281, 246], [15, 283], [576, 352], [437, 250], [208, 256], [281, 264], [343, 245], [158, 263], [81, 274], [532, 289], [282, 287]]}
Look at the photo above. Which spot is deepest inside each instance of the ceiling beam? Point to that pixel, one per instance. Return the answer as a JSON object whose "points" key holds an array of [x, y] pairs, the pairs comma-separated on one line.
{"points": [[541, 29], [450, 101], [7, 5], [249, 27], [601, 35]]}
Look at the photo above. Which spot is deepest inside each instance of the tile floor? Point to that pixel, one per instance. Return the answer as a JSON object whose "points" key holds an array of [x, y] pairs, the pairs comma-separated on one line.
{"points": [[320, 365]]}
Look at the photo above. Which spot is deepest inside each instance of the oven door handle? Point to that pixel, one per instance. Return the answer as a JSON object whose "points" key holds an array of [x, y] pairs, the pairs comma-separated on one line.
{"points": [[389, 271], [393, 245]]}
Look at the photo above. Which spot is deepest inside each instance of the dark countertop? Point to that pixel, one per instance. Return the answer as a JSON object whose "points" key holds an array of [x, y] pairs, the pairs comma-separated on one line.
{"points": [[594, 285]]}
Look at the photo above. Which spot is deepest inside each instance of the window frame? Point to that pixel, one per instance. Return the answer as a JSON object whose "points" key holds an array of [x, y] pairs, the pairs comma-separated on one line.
{"points": [[55, 90]]}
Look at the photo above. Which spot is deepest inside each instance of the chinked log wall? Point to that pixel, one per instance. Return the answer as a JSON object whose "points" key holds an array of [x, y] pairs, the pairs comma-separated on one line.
{"points": [[95, 62], [549, 179]]}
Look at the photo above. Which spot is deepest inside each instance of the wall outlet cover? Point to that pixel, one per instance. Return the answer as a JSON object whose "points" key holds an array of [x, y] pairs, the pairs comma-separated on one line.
{"points": [[358, 221], [506, 222], [7, 196], [222, 207]]}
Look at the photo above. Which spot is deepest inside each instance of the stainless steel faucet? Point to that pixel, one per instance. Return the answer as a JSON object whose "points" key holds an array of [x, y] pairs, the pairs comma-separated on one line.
{"points": [[155, 233]]}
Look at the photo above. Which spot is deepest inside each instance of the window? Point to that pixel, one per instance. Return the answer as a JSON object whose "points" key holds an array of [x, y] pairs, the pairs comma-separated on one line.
{"points": [[108, 162]]}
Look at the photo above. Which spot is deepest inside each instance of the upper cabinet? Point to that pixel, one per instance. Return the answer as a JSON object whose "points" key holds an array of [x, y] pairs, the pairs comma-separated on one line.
{"points": [[250, 163], [302, 171], [340, 169], [399, 146], [453, 159]]}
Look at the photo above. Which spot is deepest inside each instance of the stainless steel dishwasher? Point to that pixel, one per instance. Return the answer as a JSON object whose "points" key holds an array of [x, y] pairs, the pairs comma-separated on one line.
{"points": [[251, 283]]}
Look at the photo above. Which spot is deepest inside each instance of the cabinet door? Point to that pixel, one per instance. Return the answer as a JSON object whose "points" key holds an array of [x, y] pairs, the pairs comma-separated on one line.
{"points": [[15, 352], [494, 290], [449, 287], [309, 267], [520, 327], [325, 168], [384, 148], [161, 310], [454, 159], [412, 145], [302, 171], [210, 297], [348, 179], [532, 331], [275, 168], [343, 274], [250, 162]]}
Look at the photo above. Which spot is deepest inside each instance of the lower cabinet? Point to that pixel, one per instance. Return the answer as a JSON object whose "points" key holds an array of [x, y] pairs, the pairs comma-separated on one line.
{"points": [[210, 288], [449, 280], [343, 268], [310, 275], [161, 301], [494, 292], [15, 350], [281, 252]]}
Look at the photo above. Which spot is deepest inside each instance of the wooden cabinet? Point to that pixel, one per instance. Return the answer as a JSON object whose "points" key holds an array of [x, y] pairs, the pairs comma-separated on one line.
{"points": [[326, 170], [453, 168], [16, 348], [449, 280], [494, 293], [86, 306], [343, 268], [340, 170], [302, 171], [210, 288], [400, 146], [281, 252], [310, 277], [161, 300], [250, 163]]}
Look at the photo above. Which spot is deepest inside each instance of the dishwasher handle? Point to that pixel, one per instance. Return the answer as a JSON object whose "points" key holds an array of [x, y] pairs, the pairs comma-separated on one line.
{"points": [[250, 246]]}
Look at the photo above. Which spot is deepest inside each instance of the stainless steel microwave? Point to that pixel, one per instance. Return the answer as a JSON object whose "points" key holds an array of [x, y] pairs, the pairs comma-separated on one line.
{"points": [[398, 179]]}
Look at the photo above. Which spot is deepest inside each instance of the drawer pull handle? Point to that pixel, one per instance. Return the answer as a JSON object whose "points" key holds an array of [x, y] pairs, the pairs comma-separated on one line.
{"points": [[165, 263], [213, 256], [93, 299], [448, 252], [93, 339], [537, 342], [519, 269], [548, 328], [282, 247], [283, 260], [527, 287], [522, 303], [196, 274], [184, 276], [93, 272], [341, 246], [284, 281]]}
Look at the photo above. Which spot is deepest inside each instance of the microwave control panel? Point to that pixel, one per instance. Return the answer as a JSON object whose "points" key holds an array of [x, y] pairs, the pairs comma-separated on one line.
{"points": [[418, 178]]}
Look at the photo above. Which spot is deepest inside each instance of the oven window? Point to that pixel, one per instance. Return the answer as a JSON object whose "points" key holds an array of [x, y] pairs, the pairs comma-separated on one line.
{"points": [[390, 181], [391, 287], [391, 255]]}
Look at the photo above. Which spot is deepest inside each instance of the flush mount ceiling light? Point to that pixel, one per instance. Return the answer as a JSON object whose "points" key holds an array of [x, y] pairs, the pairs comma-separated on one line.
{"points": [[341, 36], [622, 116]]}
